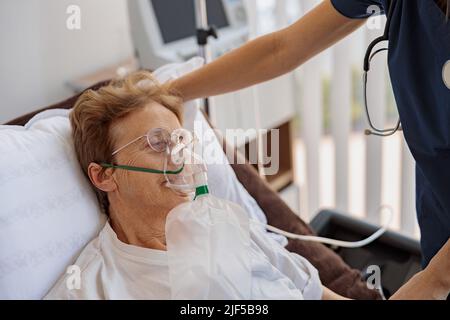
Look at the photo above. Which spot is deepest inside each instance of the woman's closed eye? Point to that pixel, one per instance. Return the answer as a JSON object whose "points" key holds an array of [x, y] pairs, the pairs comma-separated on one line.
{"points": [[158, 144], [144, 146]]}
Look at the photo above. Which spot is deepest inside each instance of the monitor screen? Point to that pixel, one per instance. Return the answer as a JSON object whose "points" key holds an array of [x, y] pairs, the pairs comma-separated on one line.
{"points": [[175, 26]]}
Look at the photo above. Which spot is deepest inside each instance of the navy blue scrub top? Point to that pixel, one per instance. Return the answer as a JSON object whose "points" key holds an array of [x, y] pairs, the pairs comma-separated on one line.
{"points": [[419, 49]]}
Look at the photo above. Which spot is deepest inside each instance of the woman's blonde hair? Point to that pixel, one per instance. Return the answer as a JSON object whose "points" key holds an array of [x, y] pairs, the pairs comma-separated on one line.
{"points": [[96, 110]]}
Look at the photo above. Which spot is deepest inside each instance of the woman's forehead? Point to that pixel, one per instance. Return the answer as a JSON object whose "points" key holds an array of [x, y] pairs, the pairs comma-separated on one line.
{"points": [[138, 123]]}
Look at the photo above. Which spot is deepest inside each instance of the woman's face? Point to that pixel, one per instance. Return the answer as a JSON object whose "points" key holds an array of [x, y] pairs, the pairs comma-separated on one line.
{"points": [[148, 190]]}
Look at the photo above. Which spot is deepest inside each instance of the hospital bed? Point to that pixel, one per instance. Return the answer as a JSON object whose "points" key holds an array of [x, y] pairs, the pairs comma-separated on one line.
{"points": [[333, 266]]}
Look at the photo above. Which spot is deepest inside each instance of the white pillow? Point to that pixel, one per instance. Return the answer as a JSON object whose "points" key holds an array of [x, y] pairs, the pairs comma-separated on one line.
{"points": [[48, 210]]}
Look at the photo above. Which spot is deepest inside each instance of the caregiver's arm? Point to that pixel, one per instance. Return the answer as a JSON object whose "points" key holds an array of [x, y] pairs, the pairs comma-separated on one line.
{"points": [[269, 56], [327, 294], [431, 283]]}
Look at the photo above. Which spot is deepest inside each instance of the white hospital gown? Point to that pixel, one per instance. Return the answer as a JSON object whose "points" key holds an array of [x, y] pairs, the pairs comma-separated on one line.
{"points": [[111, 269]]}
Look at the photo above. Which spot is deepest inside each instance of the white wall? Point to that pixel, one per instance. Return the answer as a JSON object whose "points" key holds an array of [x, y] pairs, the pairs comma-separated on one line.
{"points": [[38, 54]]}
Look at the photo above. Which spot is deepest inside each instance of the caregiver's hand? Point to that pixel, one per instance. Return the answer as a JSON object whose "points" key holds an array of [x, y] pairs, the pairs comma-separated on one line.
{"points": [[431, 283]]}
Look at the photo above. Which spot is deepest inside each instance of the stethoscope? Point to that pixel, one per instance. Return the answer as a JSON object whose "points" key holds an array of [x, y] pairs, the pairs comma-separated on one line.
{"points": [[367, 59]]}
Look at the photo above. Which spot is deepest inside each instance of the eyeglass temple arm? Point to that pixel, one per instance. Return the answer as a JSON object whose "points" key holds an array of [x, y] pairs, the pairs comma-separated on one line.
{"points": [[123, 147], [141, 169]]}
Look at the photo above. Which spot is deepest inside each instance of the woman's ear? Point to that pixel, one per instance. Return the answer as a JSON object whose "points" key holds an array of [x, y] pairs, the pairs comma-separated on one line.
{"points": [[102, 179]]}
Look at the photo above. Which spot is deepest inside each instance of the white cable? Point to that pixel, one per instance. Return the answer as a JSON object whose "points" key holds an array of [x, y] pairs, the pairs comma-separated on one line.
{"points": [[333, 242]]}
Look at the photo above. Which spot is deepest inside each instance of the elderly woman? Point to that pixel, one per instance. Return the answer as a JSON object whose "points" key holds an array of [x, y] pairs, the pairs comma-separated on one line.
{"points": [[121, 124]]}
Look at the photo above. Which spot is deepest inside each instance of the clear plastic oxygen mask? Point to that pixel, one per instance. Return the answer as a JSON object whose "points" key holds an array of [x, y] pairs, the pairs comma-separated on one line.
{"points": [[183, 154]]}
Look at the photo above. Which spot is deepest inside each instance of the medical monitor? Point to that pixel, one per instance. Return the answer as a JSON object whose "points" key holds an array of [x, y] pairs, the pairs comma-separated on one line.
{"points": [[166, 12], [164, 31]]}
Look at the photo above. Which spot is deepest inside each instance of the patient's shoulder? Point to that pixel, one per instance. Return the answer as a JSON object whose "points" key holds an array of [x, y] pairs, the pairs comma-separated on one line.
{"points": [[81, 279]]}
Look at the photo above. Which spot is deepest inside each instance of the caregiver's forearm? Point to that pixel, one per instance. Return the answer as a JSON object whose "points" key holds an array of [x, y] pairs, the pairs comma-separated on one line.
{"points": [[269, 56], [328, 294], [422, 286], [431, 283]]}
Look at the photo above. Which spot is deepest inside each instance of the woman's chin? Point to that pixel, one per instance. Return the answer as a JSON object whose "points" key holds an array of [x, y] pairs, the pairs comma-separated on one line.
{"points": [[185, 196], [181, 194]]}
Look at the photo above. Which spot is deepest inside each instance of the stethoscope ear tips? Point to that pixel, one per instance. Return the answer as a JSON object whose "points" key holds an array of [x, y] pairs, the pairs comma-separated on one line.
{"points": [[367, 132]]}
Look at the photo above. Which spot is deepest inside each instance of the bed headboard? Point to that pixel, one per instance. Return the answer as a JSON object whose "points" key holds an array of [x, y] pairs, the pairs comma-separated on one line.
{"points": [[66, 104]]}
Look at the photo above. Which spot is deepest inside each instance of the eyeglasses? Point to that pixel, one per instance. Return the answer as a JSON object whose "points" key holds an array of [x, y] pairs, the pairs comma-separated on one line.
{"points": [[367, 59], [158, 139]]}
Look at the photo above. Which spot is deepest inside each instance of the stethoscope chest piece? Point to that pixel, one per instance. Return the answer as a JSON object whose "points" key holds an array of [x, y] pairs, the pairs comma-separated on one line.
{"points": [[446, 74]]}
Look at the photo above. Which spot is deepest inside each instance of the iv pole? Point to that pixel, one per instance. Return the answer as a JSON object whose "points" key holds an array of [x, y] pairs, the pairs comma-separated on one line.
{"points": [[204, 31]]}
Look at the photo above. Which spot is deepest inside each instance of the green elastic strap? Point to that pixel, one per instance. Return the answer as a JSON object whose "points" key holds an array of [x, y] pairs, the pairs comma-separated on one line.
{"points": [[140, 169], [201, 190]]}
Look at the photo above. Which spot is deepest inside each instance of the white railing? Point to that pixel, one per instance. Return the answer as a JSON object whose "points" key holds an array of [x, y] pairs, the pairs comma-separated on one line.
{"points": [[389, 172]]}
